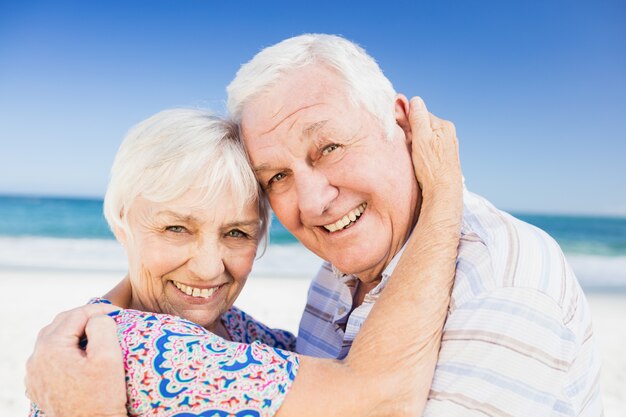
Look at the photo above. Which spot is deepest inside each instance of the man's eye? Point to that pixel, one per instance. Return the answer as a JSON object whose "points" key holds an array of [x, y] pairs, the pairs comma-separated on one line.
{"points": [[176, 229], [278, 177], [236, 233], [328, 149]]}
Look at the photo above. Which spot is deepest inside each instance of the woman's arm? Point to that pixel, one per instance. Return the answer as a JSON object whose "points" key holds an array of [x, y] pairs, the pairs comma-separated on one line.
{"points": [[390, 366]]}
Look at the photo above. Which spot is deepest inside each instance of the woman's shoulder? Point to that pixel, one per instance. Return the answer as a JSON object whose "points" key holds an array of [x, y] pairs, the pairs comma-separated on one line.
{"points": [[245, 329]]}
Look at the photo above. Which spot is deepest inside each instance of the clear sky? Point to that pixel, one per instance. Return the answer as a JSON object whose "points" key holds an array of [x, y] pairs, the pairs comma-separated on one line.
{"points": [[537, 89]]}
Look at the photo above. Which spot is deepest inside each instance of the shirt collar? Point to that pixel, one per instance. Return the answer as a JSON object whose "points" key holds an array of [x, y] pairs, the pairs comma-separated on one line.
{"points": [[374, 292]]}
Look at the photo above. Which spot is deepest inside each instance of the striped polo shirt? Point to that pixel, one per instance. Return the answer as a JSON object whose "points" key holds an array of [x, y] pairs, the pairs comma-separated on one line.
{"points": [[518, 339]]}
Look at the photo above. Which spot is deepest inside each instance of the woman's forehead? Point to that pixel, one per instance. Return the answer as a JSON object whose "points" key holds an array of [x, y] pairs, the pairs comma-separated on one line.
{"points": [[196, 206]]}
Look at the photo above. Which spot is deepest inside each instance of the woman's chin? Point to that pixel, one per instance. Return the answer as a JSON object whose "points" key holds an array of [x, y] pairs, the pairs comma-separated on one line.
{"points": [[204, 318]]}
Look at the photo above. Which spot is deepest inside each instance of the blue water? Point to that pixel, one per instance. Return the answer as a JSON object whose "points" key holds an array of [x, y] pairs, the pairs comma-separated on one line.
{"points": [[604, 236], [75, 218], [82, 218]]}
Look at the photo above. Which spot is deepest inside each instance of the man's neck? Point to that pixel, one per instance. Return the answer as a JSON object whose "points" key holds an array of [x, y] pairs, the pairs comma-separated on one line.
{"points": [[365, 287], [362, 290]]}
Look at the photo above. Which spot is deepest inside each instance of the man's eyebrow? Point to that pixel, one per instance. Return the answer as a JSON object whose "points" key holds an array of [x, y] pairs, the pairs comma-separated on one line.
{"points": [[313, 128], [262, 167]]}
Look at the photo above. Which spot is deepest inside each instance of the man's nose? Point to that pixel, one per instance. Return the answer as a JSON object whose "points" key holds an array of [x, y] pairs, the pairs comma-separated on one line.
{"points": [[206, 262], [314, 191]]}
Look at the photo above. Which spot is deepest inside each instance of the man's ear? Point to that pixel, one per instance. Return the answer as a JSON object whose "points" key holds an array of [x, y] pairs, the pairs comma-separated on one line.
{"points": [[401, 109]]}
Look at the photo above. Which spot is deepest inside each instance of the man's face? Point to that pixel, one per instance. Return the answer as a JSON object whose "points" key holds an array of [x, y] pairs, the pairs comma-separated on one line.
{"points": [[333, 180]]}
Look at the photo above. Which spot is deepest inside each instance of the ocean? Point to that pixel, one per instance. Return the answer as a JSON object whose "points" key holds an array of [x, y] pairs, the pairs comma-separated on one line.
{"points": [[71, 233]]}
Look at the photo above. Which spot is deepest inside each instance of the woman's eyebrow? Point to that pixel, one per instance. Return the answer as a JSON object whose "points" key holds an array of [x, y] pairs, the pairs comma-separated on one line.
{"points": [[244, 223], [178, 216]]}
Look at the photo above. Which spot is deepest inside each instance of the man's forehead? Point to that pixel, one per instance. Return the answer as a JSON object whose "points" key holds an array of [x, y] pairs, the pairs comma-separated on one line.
{"points": [[294, 92]]}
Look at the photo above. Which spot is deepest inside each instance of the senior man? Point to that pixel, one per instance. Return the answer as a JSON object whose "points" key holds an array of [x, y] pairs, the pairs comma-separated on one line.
{"points": [[324, 130], [327, 137]]}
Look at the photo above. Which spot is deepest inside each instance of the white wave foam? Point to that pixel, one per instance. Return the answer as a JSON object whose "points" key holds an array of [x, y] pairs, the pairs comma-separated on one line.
{"points": [[287, 261], [108, 255], [594, 271], [74, 254], [279, 260]]}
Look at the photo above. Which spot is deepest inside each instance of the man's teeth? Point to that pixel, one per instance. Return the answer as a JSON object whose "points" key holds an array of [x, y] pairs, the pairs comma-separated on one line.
{"points": [[347, 219], [195, 292]]}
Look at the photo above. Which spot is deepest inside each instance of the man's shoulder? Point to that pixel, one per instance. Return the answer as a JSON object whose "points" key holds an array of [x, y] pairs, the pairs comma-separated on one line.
{"points": [[498, 251], [519, 326]]}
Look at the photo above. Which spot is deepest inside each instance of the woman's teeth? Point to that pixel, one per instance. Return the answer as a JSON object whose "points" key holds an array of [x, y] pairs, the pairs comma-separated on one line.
{"points": [[195, 292], [346, 220]]}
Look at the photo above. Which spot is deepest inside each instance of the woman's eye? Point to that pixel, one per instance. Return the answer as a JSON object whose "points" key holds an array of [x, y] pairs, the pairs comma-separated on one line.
{"points": [[176, 229], [328, 149], [236, 233]]}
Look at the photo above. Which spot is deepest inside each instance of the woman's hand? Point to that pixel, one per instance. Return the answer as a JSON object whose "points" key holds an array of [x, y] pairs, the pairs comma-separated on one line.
{"points": [[435, 151]]}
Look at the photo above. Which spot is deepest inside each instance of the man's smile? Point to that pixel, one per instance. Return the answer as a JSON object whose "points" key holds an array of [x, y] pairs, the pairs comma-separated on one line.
{"points": [[347, 220]]}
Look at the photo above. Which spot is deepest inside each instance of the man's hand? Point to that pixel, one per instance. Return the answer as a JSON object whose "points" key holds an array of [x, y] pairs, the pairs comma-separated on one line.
{"points": [[64, 380]]}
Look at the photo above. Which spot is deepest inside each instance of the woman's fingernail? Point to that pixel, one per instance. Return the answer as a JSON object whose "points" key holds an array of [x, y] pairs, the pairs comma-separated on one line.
{"points": [[418, 103]]}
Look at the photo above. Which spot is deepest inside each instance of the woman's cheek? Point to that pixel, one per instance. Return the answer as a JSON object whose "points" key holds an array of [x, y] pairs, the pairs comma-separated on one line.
{"points": [[162, 257], [242, 261]]}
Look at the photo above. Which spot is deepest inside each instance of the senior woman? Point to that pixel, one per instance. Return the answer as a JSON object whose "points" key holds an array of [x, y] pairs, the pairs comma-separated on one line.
{"points": [[185, 205], [188, 211]]}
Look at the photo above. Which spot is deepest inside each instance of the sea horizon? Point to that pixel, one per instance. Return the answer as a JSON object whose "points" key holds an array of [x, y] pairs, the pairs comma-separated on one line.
{"points": [[70, 233], [523, 212]]}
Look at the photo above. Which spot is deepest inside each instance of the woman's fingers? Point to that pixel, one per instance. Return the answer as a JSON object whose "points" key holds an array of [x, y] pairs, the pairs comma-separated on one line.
{"points": [[434, 147], [419, 118]]}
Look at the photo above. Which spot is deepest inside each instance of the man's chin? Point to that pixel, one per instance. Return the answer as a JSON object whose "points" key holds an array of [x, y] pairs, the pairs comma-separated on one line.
{"points": [[366, 273]]}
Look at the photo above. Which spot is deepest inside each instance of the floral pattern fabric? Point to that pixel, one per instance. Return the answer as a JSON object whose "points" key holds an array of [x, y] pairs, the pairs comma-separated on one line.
{"points": [[177, 368]]}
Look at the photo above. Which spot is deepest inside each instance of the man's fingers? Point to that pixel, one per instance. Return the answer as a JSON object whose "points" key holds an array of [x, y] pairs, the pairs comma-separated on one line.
{"points": [[60, 375], [72, 323], [102, 341]]}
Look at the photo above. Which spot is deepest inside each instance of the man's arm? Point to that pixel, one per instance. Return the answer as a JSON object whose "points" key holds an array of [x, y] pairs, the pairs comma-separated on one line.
{"points": [[91, 380]]}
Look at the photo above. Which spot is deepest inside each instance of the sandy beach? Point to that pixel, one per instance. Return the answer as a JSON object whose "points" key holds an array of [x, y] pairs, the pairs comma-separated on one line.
{"points": [[29, 299]]}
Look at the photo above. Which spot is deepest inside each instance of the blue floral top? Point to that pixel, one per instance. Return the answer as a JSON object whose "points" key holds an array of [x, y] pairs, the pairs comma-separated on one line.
{"points": [[177, 368]]}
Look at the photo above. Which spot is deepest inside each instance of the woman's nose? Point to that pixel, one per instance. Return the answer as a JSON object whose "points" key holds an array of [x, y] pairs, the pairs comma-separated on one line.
{"points": [[206, 262]]}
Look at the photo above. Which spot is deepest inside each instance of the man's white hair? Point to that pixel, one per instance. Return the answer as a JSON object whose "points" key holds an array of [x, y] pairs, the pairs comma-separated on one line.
{"points": [[366, 84], [165, 155]]}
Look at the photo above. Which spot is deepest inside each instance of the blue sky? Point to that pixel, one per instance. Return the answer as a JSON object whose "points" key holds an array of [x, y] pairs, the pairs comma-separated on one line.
{"points": [[537, 89]]}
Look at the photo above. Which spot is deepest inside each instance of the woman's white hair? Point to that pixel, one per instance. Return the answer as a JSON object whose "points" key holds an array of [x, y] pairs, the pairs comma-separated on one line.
{"points": [[366, 84], [165, 155]]}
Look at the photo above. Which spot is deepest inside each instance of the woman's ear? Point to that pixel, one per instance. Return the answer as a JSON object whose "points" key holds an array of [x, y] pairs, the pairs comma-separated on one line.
{"points": [[401, 109], [120, 234], [118, 230]]}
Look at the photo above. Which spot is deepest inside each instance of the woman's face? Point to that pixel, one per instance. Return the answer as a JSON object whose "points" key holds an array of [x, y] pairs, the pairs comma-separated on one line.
{"points": [[188, 260]]}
